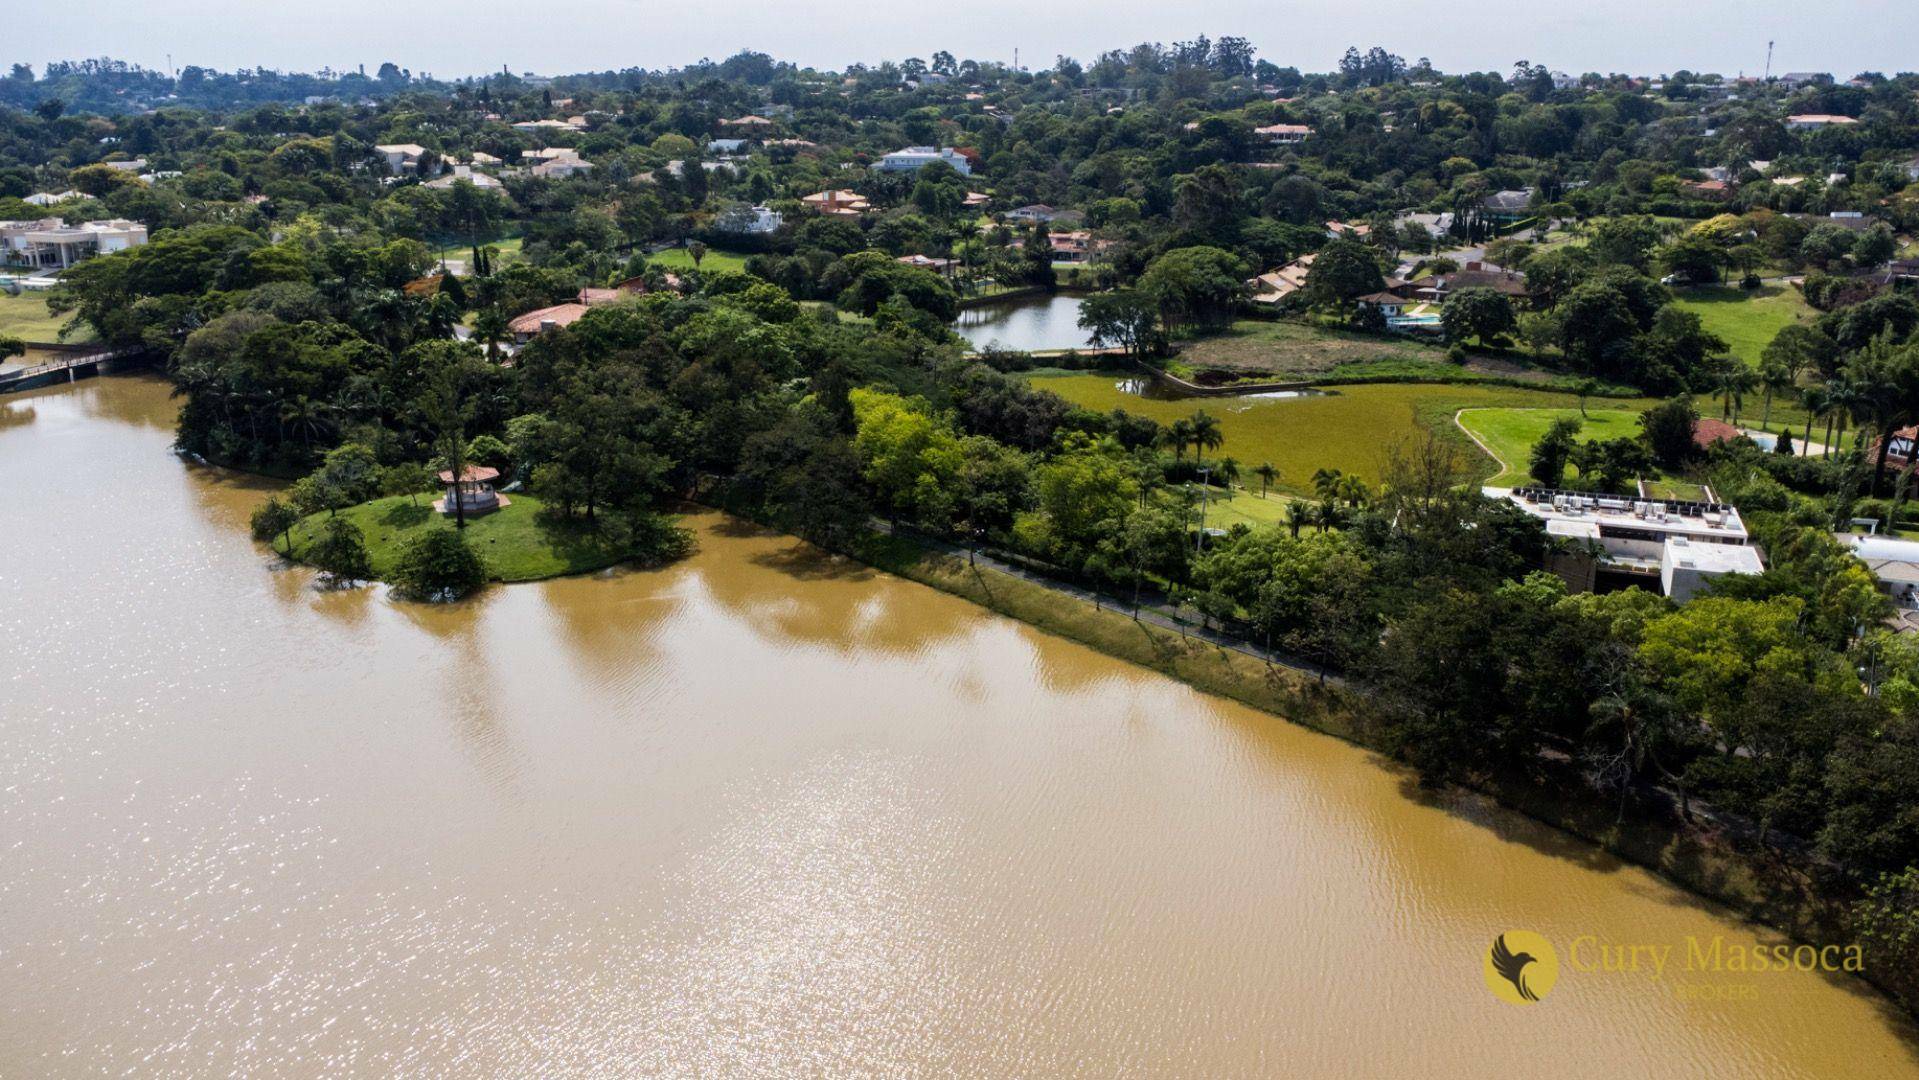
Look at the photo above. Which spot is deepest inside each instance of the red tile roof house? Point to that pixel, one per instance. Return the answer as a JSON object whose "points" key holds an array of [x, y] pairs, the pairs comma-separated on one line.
{"points": [[540, 320], [1706, 431]]}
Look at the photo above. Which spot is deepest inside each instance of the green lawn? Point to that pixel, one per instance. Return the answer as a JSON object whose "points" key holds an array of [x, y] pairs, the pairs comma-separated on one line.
{"points": [[25, 316], [1747, 319], [1511, 432], [1350, 429], [517, 543], [715, 260]]}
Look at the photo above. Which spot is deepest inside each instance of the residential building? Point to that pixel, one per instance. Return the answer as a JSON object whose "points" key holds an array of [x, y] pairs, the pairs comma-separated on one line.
{"points": [[915, 158], [838, 203], [1354, 229], [1709, 190], [401, 158], [541, 320], [1681, 545], [1894, 564], [1507, 206], [749, 123], [1274, 286], [1563, 81], [536, 126], [725, 146], [1075, 246], [1042, 214], [976, 199], [1815, 121], [465, 173], [134, 166], [942, 267], [1284, 134], [1474, 275], [752, 220], [52, 244], [49, 198], [1795, 79]]}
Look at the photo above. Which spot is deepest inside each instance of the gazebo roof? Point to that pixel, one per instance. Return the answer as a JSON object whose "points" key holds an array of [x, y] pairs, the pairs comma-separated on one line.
{"points": [[470, 474]]}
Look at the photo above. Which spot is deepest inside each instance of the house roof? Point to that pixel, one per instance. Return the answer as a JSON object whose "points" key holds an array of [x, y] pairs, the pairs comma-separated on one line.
{"points": [[1706, 431], [558, 315], [471, 474], [1819, 118]]}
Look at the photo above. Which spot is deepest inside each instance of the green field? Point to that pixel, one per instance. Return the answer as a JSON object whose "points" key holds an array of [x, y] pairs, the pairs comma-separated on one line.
{"points": [[1350, 429], [517, 543], [25, 316], [1748, 320], [1304, 351], [1511, 432], [715, 260]]}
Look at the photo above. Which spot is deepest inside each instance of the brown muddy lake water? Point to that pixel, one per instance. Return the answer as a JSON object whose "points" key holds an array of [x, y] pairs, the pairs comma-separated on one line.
{"points": [[762, 813]]}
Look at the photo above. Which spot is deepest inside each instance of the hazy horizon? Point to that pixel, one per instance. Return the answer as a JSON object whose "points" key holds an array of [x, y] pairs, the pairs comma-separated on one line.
{"points": [[450, 40]]}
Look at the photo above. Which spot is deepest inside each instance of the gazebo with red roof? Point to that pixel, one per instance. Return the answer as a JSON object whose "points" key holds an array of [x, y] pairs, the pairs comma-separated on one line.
{"points": [[473, 494]]}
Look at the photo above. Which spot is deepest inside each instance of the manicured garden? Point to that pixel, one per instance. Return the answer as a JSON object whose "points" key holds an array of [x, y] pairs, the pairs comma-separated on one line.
{"points": [[713, 262], [517, 543]]}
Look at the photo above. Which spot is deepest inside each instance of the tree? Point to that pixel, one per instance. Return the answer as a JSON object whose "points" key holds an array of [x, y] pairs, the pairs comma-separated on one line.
{"points": [[1802, 348], [696, 250], [1267, 475], [1206, 434], [1773, 375], [446, 406], [438, 565], [1887, 922], [1668, 428], [1126, 318], [409, 479], [1194, 286], [1476, 312], [275, 518], [340, 552], [1343, 271], [1554, 449]]}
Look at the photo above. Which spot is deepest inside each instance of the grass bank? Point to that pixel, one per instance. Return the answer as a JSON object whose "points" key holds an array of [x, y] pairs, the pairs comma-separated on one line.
{"points": [[518, 543], [1511, 432], [26, 317], [713, 262]]}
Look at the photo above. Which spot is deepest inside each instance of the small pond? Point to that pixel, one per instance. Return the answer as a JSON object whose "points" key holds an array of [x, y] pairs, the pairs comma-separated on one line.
{"points": [[1024, 324]]}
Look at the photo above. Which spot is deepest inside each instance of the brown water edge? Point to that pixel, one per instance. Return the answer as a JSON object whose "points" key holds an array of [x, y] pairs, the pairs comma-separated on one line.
{"points": [[762, 813]]}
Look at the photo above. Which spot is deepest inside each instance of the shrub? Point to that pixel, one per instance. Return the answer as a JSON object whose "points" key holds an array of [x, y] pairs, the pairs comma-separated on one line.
{"points": [[438, 565], [340, 553]]}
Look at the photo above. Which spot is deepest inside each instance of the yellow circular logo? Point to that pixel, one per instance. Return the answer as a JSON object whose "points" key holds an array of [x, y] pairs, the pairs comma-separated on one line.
{"points": [[1521, 967]]}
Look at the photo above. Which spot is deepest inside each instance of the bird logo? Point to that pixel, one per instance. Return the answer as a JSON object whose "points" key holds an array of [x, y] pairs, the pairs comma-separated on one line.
{"points": [[1521, 967]]}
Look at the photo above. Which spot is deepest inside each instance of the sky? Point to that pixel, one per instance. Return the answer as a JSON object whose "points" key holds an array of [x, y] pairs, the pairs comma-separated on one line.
{"points": [[449, 38]]}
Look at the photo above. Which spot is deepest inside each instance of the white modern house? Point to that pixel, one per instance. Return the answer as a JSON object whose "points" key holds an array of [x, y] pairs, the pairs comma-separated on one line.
{"points": [[52, 244], [401, 158], [465, 173], [915, 158], [752, 220], [1681, 544], [1284, 134]]}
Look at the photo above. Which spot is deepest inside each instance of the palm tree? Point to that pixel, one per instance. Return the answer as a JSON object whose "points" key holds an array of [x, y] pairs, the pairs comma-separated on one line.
{"points": [[1326, 514], [1352, 489], [489, 328], [1326, 483], [1814, 400], [1228, 471], [1178, 435], [1267, 474], [1773, 375], [1206, 433], [1299, 512]]}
